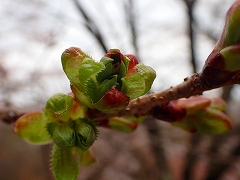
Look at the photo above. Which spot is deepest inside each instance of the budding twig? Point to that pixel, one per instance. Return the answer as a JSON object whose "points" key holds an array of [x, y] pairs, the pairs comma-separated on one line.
{"points": [[143, 105], [191, 86]]}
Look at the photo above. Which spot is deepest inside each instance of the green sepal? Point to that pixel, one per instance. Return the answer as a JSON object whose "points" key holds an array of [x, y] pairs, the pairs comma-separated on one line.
{"points": [[64, 164], [139, 83], [31, 128], [58, 107], [86, 133], [106, 85], [231, 56], [50, 127]]}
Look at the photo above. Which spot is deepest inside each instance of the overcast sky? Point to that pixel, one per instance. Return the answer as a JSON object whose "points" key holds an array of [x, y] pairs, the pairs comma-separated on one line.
{"points": [[33, 34]]}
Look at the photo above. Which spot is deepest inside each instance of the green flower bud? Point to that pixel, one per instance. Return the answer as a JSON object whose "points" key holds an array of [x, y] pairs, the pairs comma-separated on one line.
{"points": [[223, 63], [64, 135], [93, 83], [86, 133], [231, 55], [202, 115]]}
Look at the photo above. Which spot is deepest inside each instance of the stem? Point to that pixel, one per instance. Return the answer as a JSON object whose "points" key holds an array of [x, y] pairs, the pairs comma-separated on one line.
{"points": [[141, 106]]}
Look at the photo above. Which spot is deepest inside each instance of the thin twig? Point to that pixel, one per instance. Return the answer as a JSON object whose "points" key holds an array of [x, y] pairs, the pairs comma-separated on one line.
{"points": [[10, 114]]}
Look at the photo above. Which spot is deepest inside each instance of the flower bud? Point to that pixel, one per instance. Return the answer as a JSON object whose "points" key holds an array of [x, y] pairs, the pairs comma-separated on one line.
{"points": [[95, 83], [231, 55], [223, 63], [202, 115], [113, 101], [64, 135], [231, 31], [86, 133]]}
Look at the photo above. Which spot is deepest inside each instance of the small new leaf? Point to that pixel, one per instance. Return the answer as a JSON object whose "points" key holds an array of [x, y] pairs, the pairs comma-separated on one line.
{"points": [[138, 83], [86, 133], [64, 164], [72, 58], [31, 127], [58, 107]]}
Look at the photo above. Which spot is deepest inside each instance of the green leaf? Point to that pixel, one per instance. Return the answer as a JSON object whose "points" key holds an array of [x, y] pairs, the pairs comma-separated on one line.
{"points": [[64, 165], [72, 58], [203, 115], [133, 86], [135, 119], [32, 128], [106, 85], [92, 90], [210, 122], [122, 124], [89, 69], [107, 71], [139, 83], [82, 97], [58, 107]]}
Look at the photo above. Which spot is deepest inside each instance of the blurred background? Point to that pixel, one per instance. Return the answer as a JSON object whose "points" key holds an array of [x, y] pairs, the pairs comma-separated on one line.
{"points": [[174, 37]]}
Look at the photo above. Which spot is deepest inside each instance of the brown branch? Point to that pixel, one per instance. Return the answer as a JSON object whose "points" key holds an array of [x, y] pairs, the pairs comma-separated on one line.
{"points": [[191, 86], [144, 104], [190, 6], [91, 26], [10, 114]]}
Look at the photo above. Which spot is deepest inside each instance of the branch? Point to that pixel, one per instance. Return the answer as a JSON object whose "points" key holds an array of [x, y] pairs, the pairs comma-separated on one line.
{"points": [[191, 86], [10, 114], [190, 5], [91, 26]]}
